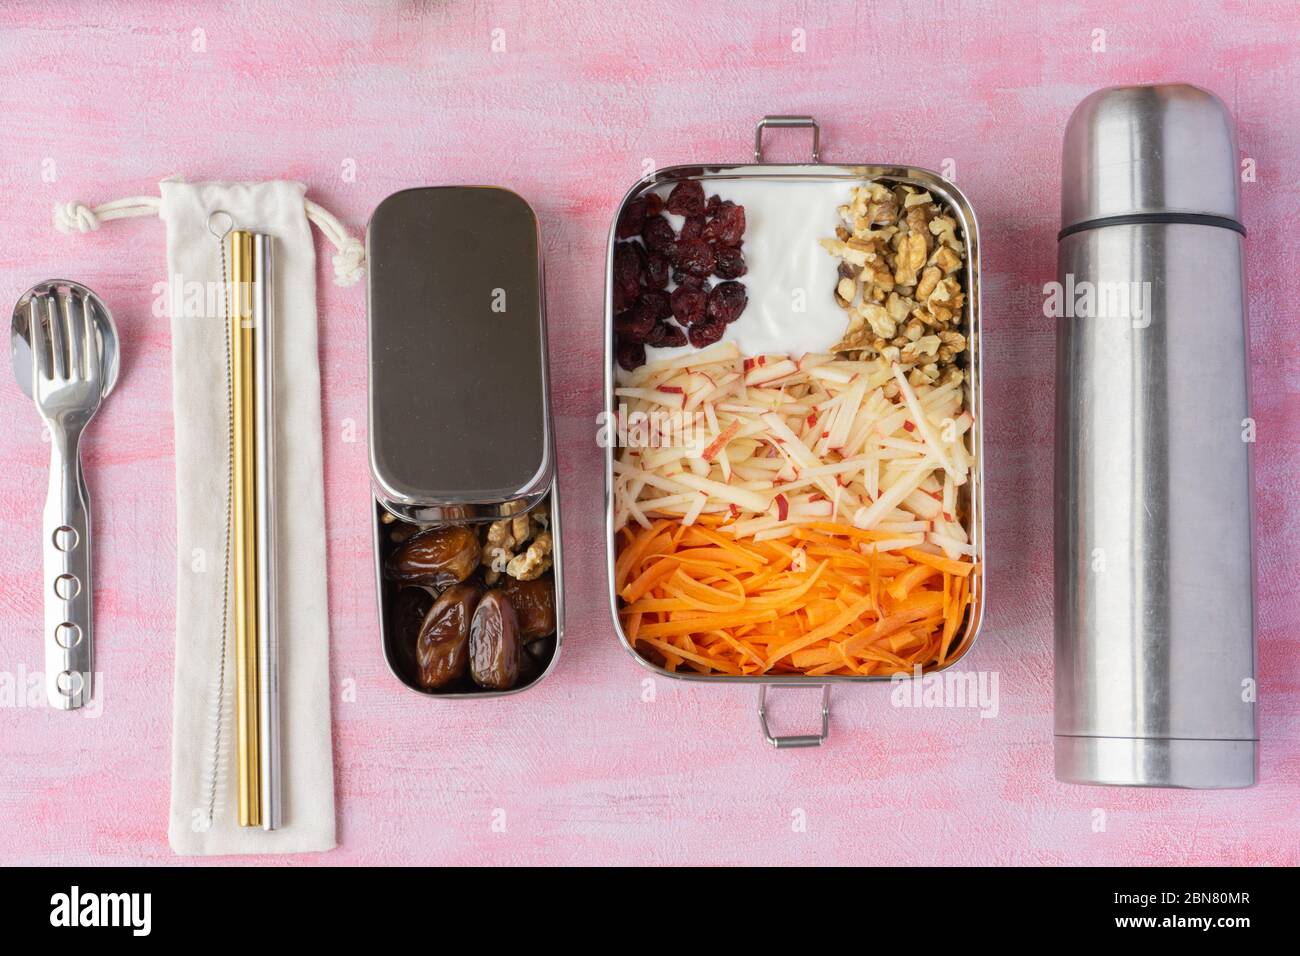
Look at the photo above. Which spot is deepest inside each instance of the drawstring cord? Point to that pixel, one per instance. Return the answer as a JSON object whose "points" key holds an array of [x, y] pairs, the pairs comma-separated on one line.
{"points": [[77, 215], [349, 257]]}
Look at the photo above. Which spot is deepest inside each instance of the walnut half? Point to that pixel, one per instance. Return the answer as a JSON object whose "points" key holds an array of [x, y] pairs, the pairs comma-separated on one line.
{"points": [[511, 539], [534, 562]]}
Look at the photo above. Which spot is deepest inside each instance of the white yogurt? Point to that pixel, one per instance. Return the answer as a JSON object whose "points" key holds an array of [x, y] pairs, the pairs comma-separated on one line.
{"points": [[790, 279]]}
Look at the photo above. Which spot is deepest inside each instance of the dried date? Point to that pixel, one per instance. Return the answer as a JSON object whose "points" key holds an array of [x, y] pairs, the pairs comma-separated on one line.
{"points": [[436, 558], [408, 613], [534, 604], [494, 643], [443, 648]]}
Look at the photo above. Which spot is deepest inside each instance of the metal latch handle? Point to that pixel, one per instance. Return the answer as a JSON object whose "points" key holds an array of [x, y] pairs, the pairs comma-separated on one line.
{"points": [[788, 122], [795, 740]]}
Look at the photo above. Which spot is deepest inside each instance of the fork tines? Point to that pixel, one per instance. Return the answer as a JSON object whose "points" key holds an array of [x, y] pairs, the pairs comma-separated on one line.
{"points": [[61, 325]]}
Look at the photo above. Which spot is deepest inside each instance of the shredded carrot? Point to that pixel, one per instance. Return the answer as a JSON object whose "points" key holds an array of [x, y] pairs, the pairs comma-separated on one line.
{"points": [[962, 568], [636, 550], [698, 600], [911, 578], [648, 578]]}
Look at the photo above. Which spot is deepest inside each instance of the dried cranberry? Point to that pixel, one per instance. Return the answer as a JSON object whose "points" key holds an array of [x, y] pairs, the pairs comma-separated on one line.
{"points": [[656, 303], [627, 269], [727, 227], [633, 218], [688, 304], [692, 227], [727, 300], [631, 355], [634, 324], [712, 205], [654, 204], [687, 198], [656, 271], [667, 335], [692, 255], [658, 234], [642, 259], [685, 278], [730, 262], [706, 332]]}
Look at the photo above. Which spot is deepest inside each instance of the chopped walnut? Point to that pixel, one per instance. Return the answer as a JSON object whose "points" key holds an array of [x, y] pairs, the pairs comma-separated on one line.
{"points": [[846, 292], [507, 541], [911, 256], [534, 562], [927, 346], [519, 526], [929, 282], [899, 279], [881, 322], [954, 340], [947, 260]]}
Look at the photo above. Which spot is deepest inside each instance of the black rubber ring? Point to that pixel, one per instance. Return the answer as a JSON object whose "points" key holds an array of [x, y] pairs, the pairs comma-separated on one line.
{"points": [[1151, 218]]}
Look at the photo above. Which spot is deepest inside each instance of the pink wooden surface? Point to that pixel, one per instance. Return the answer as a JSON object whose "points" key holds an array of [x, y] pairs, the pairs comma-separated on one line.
{"points": [[106, 102]]}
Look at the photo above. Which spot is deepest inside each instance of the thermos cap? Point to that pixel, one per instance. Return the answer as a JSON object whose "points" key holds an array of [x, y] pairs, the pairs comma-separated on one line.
{"points": [[1140, 150]]}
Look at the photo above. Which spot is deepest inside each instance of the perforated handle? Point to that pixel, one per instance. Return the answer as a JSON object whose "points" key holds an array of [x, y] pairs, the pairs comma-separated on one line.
{"points": [[788, 122], [69, 657]]}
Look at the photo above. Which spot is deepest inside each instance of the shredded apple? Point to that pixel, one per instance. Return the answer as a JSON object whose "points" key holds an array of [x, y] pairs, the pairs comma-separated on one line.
{"points": [[822, 599], [784, 442]]}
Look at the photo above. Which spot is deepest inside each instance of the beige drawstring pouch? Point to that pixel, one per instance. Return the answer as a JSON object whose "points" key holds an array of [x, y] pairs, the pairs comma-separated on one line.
{"points": [[203, 813]]}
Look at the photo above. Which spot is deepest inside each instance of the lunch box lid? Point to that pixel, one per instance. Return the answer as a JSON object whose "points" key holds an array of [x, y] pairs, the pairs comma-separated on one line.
{"points": [[459, 404]]}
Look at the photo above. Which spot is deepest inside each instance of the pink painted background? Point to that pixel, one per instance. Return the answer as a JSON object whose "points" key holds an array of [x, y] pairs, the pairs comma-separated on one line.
{"points": [[114, 98]]}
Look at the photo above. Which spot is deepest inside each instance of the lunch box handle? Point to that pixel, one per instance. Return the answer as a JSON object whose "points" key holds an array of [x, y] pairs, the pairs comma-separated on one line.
{"points": [[788, 122], [795, 740]]}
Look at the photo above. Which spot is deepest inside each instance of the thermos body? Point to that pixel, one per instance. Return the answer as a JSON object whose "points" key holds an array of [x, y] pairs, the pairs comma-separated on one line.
{"points": [[1154, 611]]}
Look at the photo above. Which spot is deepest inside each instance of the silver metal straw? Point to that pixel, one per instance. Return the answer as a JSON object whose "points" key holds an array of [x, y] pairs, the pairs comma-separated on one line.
{"points": [[268, 698]]}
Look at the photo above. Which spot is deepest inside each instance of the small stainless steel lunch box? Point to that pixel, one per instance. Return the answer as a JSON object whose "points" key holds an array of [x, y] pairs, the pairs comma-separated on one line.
{"points": [[973, 491], [460, 424]]}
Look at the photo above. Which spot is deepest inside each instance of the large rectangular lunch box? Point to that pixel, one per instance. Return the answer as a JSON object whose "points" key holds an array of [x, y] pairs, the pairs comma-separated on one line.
{"points": [[973, 492], [460, 423]]}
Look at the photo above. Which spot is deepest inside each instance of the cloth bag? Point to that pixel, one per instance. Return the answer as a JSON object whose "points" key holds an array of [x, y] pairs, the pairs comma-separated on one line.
{"points": [[203, 817]]}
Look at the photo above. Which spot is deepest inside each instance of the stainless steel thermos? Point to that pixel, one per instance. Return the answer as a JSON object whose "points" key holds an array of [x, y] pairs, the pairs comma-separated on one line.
{"points": [[1154, 608]]}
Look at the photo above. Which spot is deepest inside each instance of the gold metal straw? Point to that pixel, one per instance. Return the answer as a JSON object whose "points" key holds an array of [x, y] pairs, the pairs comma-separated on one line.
{"points": [[243, 333]]}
